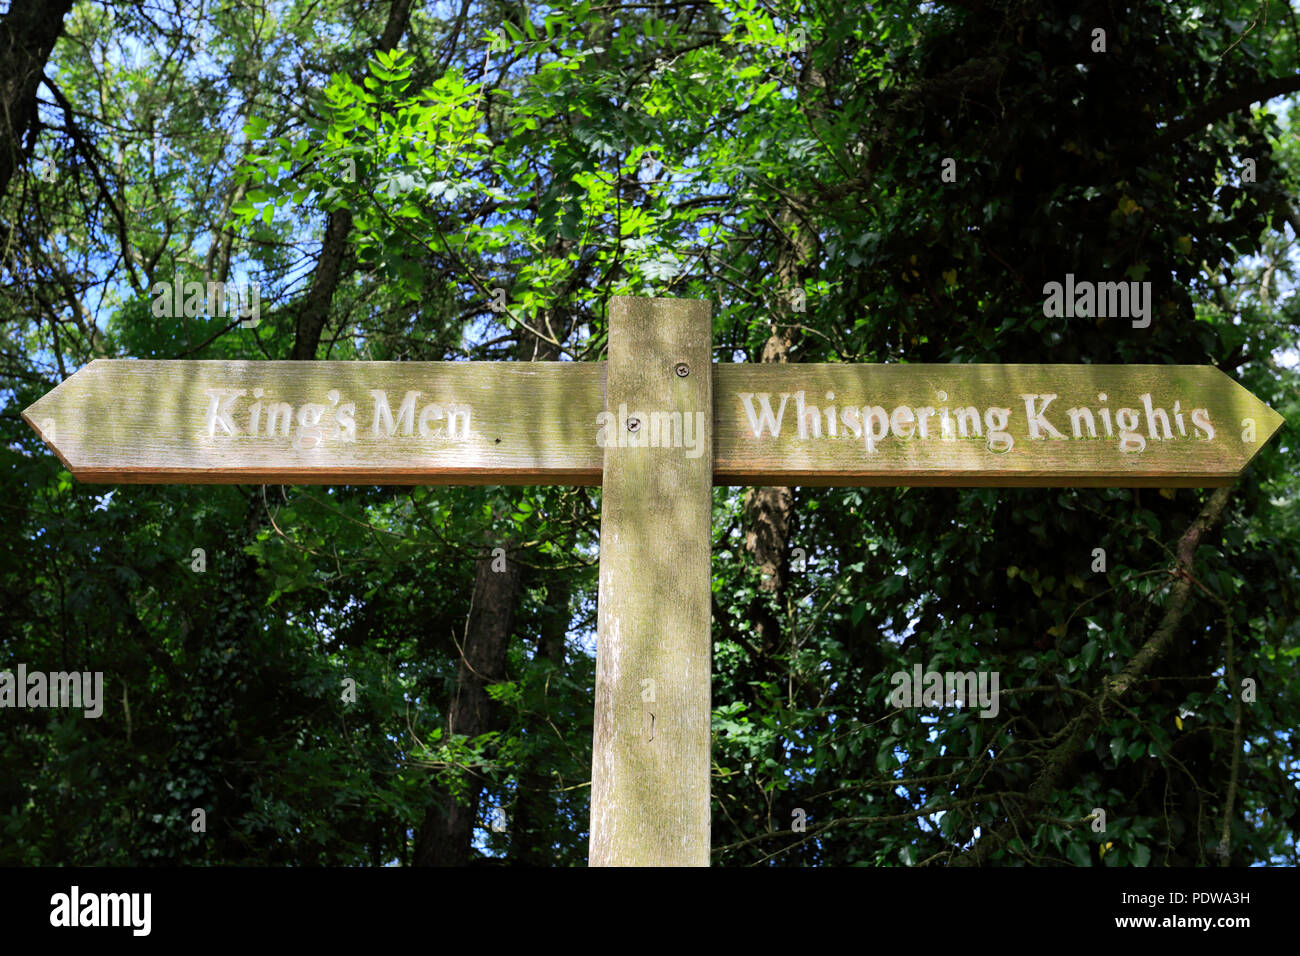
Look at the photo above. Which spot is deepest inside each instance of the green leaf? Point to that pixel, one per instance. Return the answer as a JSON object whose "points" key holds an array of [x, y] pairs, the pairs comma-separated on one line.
{"points": [[885, 761], [948, 825], [1080, 854], [1089, 653]]}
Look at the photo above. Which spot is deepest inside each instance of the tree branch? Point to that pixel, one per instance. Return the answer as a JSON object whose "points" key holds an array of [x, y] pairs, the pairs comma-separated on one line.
{"points": [[1057, 762], [1229, 103]]}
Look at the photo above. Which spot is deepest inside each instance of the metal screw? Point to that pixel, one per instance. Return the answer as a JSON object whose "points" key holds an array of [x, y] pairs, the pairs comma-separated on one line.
{"points": [[683, 370], [633, 424]]}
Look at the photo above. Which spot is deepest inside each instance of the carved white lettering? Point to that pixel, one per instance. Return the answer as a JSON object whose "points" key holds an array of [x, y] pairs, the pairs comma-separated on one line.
{"points": [[384, 414], [220, 409]]}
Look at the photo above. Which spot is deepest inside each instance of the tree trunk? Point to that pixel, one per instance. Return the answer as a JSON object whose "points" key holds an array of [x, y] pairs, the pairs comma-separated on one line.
{"points": [[448, 828], [338, 226], [534, 804], [28, 33], [769, 511]]}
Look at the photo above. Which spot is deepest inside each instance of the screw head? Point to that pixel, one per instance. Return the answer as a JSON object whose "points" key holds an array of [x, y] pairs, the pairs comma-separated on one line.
{"points": [[682, 370], [633, 424]]}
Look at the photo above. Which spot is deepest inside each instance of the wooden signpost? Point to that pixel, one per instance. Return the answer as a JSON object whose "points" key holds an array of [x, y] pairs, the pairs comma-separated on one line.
{"points": [[656, 426]]}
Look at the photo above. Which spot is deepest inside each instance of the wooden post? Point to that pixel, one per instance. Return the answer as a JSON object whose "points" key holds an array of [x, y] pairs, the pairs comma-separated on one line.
{"points": [[651, 744]]}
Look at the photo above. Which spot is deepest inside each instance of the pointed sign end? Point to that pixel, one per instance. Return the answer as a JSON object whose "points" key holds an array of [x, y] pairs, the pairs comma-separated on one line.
{"points": [[40, 416], [1267, 421], [1258, 426]]}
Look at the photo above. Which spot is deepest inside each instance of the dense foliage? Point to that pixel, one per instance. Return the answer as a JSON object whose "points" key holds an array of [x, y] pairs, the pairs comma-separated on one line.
{"points": [[381, 171]]}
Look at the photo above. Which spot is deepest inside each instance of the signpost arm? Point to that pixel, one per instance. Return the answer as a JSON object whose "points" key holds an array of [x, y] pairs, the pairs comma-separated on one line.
{"points": [[650, 749]]}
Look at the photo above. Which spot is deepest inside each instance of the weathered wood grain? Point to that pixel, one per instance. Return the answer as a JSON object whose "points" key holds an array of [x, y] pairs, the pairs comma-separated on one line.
{"points": [[536, 423], [1187, 458], [651, 739], [128, 421]]}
